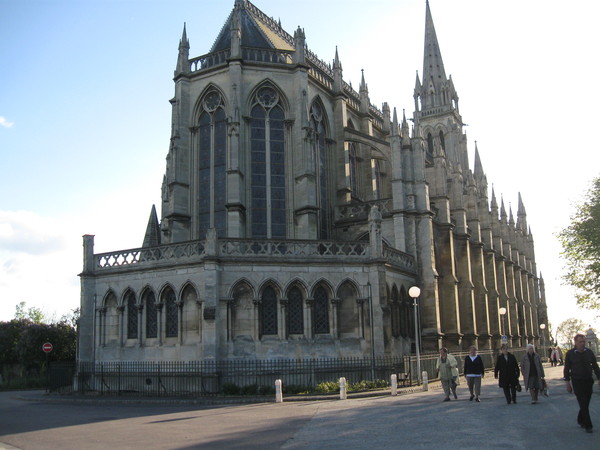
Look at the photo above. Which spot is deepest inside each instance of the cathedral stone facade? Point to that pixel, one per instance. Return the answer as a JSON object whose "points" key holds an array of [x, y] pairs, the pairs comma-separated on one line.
{"points": [[296, 215]]}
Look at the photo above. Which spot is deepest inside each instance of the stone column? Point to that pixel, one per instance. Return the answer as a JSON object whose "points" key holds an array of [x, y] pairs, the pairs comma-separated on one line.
{"points": [[282, 329], [308, 325], [335, 302]]}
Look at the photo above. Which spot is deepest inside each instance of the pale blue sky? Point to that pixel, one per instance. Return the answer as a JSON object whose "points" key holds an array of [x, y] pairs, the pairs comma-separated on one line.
{"points": [[85, 117]]}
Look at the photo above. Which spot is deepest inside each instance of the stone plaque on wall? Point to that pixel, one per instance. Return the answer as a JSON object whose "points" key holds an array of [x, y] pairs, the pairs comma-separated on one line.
{"points": [[210, 313]]}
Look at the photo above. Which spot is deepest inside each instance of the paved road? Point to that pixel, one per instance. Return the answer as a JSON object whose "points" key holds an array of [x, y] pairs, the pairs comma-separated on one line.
{"points": [[418, 420]]}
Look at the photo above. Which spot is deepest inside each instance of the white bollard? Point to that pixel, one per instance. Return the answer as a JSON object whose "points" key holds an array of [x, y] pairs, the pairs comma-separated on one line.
{"points": [[425, 380], [278, 393], [343, 395], [394, 384]]}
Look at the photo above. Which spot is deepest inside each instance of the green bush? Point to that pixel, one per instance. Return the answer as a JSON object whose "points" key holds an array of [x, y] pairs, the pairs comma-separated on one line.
{"points": [[327, 387]]}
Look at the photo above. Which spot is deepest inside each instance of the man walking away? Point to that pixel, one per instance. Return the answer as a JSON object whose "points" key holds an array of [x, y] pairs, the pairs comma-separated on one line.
{"points": [[579, 363]]}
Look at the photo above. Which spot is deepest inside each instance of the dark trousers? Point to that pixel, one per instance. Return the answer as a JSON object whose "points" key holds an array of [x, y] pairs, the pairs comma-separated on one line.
{"points": [[510, 392], [583, 391]]}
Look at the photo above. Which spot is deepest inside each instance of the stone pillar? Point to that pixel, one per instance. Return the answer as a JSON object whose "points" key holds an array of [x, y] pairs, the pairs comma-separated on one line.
{"points": [[86, 345], [335, 303], [308, 328]]}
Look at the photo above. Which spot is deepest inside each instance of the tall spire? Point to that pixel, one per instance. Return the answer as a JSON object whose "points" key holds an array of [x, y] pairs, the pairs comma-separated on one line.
{"points": [[433, 66], [152, 236], [184, 54]]}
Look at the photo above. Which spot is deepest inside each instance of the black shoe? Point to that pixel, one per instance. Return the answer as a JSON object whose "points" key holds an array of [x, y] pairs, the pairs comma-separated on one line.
{"points": [[508, 402], [471, 398], [514, 400], [477, 400], [447, 399], [588, 430]]}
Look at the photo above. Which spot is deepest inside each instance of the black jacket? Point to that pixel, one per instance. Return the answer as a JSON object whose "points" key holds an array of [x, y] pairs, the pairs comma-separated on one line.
{"points": [[508, 370], [579, 365], [474, 367]]}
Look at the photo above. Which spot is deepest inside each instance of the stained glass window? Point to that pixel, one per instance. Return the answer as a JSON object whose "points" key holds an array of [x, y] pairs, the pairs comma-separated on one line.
{"points": [[321, 311], [268, 312], [320, 155], [212, 139], [171, 314], [132, 317], [267, 165], [376, 170], [353, 163], [151, 323], [295, 312]]}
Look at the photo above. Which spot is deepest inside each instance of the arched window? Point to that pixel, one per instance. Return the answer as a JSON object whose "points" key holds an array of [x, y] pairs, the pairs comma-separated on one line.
{"points": [[171, 314], [212, 136], [151, 314], [320, 156], [321, 311], [442, 142], [268, 312], [267, 160], [429, 153], [376, 175], [132, 316], [396, 313], [295, 311], [353, 168]]}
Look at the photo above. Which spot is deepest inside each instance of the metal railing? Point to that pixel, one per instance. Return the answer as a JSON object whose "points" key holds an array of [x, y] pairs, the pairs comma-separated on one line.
{"points": [[212, 378]]}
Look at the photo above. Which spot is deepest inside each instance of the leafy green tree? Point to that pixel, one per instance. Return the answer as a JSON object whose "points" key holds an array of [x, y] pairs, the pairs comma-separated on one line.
{"points": [[567, 329], [10, 333], [61, 335], [36, 315], [581, 249]]}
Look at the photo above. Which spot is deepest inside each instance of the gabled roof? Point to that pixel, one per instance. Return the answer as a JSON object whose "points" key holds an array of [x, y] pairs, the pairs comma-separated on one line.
{"points": [[257, 30]]}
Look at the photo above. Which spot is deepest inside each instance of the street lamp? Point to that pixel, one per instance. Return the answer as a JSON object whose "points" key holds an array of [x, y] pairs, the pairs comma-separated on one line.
{"points": [[502, 312], [543, 327], [414, 292]]}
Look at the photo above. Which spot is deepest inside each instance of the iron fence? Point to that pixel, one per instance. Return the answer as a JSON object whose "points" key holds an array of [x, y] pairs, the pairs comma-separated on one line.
{"points": [[210, 378]]}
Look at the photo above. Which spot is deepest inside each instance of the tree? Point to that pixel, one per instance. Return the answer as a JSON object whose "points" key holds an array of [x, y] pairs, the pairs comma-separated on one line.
{"points": [[581, 249], [36, 315], [567, 330]]}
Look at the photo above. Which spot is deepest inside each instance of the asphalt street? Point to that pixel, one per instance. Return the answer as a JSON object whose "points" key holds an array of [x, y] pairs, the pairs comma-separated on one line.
{"points": [[31, 420]]}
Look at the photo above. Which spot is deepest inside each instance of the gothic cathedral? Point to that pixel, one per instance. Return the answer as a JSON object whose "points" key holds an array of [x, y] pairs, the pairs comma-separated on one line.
{"points": [[296, 216]]}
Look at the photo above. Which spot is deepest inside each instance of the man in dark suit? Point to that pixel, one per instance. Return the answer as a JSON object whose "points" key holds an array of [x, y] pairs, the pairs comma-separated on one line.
{"points": [[579, 364]]}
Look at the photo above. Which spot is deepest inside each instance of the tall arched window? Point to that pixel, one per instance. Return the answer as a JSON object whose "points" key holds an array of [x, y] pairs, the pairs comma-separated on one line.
{"points": [[396, 313], [132, 316], [353, 168], [376, 174], [151, 314], [321, 311], [429, 152], [268, 312], [320, 157], [171, 314], [267, 160], [212, 136], [442, 142], [295, 311]]}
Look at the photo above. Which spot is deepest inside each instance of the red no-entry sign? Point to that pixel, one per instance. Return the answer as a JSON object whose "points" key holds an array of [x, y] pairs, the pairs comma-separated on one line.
{"points": [[47, 347]]}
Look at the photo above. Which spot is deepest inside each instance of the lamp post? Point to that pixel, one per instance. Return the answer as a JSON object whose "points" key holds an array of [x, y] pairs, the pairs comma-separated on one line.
{"points": [[543, 327], [414, 292], [504, 338]]}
